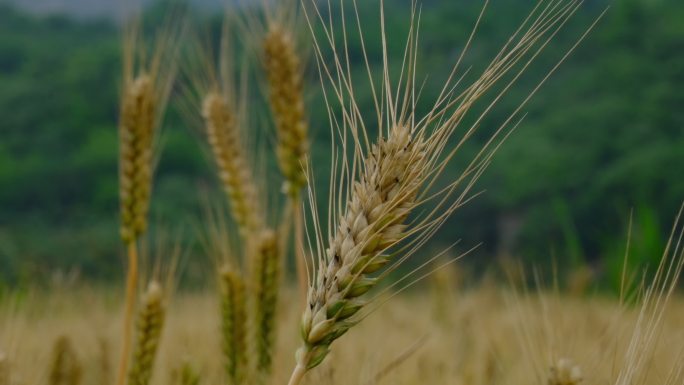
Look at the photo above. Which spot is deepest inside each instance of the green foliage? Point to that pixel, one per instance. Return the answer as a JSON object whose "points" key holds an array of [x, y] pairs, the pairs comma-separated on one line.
{"points": [[603, 136]]}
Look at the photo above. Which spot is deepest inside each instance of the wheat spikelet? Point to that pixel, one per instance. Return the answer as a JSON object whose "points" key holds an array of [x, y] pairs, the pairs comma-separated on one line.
{"points": [[222, 133], [380, 202], [233, 325], [564, 372], [266, 280], [149, 328], [284, 75], [65, 368]]}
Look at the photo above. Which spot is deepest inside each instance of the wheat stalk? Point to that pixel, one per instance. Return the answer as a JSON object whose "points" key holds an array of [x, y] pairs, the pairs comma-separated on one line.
{"points": [[233, 325], [65, 368], [149, 328]]}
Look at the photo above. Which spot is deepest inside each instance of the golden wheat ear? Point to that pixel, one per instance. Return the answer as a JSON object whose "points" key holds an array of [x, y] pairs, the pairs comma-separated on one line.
{"points": [[284, 72], [259, 272], [223, 135], [273, 32], [65, 368], [148, 74], [148, 329], [266, 287], [234, 325], [386, 181]]}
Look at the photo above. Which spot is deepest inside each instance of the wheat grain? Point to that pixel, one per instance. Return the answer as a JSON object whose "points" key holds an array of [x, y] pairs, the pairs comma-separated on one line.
{"points": [[149, 328]]}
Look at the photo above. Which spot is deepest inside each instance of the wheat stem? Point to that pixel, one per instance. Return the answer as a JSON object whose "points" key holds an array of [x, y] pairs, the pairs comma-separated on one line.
{"points": [[297, 375], [131, 287], [300, 256]]}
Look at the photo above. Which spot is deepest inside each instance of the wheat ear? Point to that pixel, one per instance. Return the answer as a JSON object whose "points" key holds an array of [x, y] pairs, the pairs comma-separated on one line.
{"points": [[284, 75], [233, 325], [374, 220], [149, 328], [266, 281], [65, 368], [222, 133], [136, 138]]}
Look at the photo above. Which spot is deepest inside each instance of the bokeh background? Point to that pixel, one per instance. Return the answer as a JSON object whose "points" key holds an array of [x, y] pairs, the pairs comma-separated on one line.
{"points": [[602, 140]]}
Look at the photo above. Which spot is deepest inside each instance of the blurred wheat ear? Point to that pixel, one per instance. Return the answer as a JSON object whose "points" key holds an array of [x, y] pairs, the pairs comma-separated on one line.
{"points": [[266, 287], [284, 74], [564, 372], [283, 63], [149, 329], [222, 134], [186, 375], [234, 325], [65, 368], [147, 82]]}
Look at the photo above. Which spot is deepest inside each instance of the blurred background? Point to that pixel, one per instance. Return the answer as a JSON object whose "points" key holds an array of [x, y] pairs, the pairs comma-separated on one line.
{"points": [[603, 139]]}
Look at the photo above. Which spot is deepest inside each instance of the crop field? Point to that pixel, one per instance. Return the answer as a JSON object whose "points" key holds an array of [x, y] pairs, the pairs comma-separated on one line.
{"points": [[334, 237]]}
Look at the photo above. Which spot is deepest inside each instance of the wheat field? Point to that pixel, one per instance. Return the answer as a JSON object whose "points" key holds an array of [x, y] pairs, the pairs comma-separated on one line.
{"points": [[351, 310], [481, 335]]}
